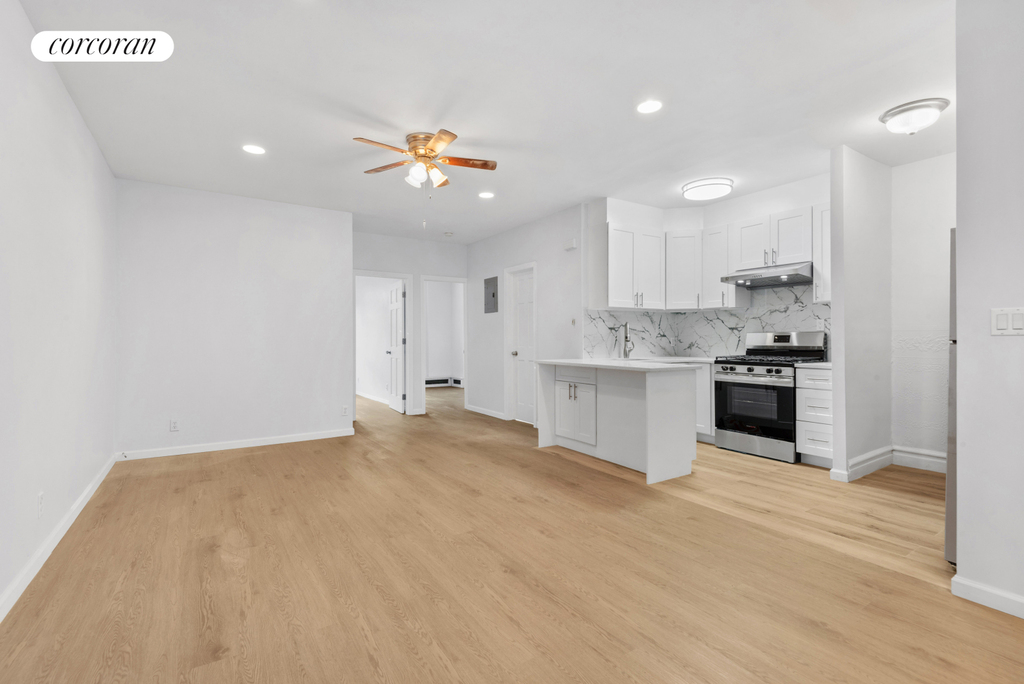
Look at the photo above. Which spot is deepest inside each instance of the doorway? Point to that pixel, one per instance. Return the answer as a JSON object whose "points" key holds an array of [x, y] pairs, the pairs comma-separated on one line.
{"points": [[444, 332], [381, 340], [520, 342]]}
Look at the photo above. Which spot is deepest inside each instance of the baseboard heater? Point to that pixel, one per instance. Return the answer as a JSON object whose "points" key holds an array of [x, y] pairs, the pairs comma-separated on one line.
{"points": [[444, 382]]}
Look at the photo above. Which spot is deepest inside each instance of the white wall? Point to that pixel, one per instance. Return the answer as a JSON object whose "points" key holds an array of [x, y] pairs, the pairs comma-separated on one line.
{"points": [[923, 212], [57, 314], [444, 309], [861, 313], [990, 245], [387, 254], [235, 319], [559, 282], [373, 336]]}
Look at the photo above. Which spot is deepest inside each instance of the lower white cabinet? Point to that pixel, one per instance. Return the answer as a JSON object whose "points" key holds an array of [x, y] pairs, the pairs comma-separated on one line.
{"points": [[814, 406], [814, 416], [814, 439], [705, 392], [576, 411]]}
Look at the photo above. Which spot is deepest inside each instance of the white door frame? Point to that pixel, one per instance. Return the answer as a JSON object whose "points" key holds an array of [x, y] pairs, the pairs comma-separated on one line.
{"points": [[506, 302], [465, 327], [407, 280]]}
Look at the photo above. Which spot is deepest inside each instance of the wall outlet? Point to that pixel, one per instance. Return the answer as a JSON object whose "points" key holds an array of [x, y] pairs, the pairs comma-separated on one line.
{"points": [[174, 425], [344, 410], [39, 513], [819, 324]]}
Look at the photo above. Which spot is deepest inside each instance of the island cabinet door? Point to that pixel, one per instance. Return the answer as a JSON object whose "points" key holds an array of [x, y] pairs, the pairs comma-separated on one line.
{"points": [[585, 397], [565, 410]]}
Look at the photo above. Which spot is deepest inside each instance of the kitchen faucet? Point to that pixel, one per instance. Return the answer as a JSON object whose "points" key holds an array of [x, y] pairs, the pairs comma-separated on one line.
{"points": [[627, 343]]}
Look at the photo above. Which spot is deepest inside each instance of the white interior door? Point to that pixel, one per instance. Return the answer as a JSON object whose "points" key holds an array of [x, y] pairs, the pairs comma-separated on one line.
{"points": [[396, 348], [523, 346]]}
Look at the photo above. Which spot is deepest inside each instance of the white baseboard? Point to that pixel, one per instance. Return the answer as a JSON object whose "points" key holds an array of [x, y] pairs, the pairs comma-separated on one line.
{"points": [[237, 444], [922, 459], [862, 465], [21, 581], [373, 398], [988, 595], [488, 412]]}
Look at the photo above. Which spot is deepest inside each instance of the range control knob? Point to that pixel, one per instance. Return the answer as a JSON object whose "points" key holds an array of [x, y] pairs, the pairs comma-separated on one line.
{"points": [[732, 368], [750, 369]]}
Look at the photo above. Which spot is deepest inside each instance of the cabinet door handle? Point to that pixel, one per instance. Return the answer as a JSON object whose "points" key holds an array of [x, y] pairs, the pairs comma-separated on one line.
{"points": [[698, 300], [723, 297], [641, 300], [766, 257], [816, 406], [774, 259], [812, 439], [575, 394], [569, 387]]}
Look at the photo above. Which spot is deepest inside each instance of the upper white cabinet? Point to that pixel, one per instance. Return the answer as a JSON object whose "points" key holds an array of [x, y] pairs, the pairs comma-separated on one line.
{"points": [[821, 241], [750, 243], [776, 240], [791, 237], [636, 267], [683, 256], [715, 265]]}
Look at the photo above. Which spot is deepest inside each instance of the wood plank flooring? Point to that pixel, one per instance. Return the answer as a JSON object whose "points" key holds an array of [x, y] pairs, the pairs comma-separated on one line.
{"points": [[447, 548]]}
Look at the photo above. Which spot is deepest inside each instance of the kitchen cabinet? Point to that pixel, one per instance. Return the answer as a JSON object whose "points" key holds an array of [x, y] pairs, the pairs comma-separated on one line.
{"points": [[791, 237], [775, 240], [636, 267], [814, 414], [814, 406], [750, 242], [576, 411], [715, 264], [705, 393], [683, 279], [821, 252]]}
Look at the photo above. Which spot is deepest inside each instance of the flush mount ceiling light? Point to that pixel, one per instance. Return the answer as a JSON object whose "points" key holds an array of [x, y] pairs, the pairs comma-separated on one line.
{"points": [[486, 195], [707, 188], [253, 149], [911, 117], [648, 107]]}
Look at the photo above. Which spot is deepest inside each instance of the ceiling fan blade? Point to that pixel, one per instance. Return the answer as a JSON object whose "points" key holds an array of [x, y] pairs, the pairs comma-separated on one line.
{"points": [[441, 140], [471, 163], [389, 166], [380, 144]]}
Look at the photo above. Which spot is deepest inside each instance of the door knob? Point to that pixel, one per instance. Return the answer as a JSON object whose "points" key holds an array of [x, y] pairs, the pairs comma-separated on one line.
{"points": [[388, 351], [515, 353]]}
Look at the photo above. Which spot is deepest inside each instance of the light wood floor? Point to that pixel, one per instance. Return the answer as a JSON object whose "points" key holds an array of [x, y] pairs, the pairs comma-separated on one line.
{"points": [[446, 548]]}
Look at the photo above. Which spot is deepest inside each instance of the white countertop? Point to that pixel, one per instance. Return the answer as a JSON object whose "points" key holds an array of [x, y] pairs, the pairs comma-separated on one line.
{"points": [[816, 364], [651, 365]]}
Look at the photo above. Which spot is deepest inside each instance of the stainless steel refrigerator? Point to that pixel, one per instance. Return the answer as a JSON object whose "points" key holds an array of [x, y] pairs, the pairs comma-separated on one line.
{"points": [[951, 434]]}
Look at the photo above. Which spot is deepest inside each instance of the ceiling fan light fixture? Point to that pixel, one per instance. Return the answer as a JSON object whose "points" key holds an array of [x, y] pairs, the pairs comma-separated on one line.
{"points": [[911, 117], [413, 182], [418, 172], [707, 188], [648, 107], [436, 177]]}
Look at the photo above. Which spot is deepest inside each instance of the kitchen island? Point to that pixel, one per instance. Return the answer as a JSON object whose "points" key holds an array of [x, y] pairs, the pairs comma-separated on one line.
{"points": [[638, 413]]}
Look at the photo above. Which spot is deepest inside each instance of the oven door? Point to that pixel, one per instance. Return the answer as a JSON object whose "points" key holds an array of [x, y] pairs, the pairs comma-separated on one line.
{"points": [[756, 415]]}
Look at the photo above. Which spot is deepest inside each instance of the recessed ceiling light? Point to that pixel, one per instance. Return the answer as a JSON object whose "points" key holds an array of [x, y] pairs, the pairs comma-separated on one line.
{"points": [[486, 195], [912, 117], [707, 188], [253, 149], [648, 107]]}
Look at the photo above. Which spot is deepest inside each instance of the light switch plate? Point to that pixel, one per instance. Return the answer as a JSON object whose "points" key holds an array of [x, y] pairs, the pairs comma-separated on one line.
{"points": [[1008, 321]]}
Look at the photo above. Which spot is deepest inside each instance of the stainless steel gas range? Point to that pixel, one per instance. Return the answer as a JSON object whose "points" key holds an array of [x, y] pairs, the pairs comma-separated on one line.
{"points": [[755, 394]]}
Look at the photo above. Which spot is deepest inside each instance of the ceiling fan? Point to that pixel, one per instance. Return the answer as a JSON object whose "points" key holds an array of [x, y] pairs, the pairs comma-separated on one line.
{"points": [[425, 149]]}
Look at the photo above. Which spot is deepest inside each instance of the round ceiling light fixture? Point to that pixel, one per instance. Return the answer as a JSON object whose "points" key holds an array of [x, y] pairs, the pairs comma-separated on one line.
{"points": [[648, 107], [707, 188], [912, 117], [253, 149], [486, 195]]}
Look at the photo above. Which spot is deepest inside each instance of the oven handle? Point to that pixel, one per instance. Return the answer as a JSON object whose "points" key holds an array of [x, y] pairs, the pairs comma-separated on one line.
{"points": [[754, 380]]}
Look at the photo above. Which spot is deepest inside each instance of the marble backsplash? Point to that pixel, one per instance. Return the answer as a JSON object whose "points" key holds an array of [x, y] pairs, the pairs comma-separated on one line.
{"points": [[715, 332]]}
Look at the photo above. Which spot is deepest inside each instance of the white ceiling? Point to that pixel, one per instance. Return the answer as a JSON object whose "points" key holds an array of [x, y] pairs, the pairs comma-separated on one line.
{"points": [[757, 91]]}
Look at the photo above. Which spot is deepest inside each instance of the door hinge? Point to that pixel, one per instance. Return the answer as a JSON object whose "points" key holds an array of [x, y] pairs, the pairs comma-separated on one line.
{"points": [[403, 294], [403, 340], [403, 397]]}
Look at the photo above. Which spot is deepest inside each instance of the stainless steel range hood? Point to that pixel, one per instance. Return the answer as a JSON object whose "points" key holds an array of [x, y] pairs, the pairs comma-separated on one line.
{"points": [[772, 276]]}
